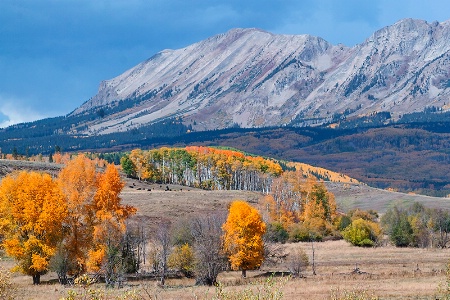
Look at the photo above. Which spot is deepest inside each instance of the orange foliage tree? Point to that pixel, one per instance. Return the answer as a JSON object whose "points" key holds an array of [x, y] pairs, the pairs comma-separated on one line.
{"points": [[109, 224], [285, 202], [73, 220], [295, 199], [243, 237], [78, 184], [32, 210]]}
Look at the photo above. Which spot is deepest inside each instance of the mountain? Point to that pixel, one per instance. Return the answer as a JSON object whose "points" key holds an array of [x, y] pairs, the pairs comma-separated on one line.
{"points": [[377, 111], [253, 78]]}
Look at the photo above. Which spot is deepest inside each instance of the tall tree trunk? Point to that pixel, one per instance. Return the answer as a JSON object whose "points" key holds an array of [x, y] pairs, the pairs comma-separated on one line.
{"points": [[244, 273], [313, 261], [37, 278]]}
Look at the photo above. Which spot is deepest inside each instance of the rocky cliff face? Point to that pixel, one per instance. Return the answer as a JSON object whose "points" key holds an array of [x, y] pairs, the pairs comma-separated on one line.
{"points": [[253, 78]]}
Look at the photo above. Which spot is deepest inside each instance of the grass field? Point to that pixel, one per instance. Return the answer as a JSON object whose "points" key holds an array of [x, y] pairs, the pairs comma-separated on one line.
{"points": [[387, 272]]}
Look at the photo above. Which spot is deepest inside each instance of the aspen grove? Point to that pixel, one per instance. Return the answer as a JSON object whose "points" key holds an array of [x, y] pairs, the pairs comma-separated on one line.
{"points": [[203, 167], [74, 220]]}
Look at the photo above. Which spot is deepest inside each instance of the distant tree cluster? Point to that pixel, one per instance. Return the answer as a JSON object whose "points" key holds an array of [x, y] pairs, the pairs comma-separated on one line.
{"points": [[203, 167], [299, 209], [417, 226]]}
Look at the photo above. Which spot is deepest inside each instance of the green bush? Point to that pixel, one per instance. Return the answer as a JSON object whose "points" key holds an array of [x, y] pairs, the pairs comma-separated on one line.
{"points": [[344, 222], [276, 233], [362, 233], [301, 233]]}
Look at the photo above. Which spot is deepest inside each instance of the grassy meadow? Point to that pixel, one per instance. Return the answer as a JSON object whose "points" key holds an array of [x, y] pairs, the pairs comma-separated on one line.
{"points": [[385, 272]]}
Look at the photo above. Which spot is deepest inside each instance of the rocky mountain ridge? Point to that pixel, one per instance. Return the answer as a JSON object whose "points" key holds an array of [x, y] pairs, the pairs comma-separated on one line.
{"points": [[253, 78]]}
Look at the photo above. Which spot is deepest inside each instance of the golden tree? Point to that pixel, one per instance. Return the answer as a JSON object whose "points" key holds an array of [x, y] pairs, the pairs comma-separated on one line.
{"points": [[243, 237], [286, 201], [78, 184], [109, 223], [31, 213]]}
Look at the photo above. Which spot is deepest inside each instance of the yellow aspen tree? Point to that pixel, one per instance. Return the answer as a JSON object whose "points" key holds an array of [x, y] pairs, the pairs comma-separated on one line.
{"points": [[32, 210], [243, 237], [78, 183], [57, 157], [110, 216], [320, 204], [286, 201], [140, 161], [320, 210]]}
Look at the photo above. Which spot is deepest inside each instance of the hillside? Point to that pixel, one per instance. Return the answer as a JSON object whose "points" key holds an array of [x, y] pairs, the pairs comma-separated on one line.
{"points": [[156, 201], [404, 157]]}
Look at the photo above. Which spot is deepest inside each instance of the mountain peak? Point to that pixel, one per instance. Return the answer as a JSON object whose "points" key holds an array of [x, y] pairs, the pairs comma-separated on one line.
{"points": [[252, 78]]}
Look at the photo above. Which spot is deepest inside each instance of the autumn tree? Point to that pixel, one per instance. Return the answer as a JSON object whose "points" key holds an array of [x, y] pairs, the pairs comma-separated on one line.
{"points": [[32, 210], [320, 210], [140, 163], [243, 237], [398, 227], [182, 258], [78, 183], [109, 223], [285, 202], [303, 206]]}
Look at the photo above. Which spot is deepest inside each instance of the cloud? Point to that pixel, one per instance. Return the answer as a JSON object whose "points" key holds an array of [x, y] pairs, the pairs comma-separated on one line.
{"points": [[12, 111]]}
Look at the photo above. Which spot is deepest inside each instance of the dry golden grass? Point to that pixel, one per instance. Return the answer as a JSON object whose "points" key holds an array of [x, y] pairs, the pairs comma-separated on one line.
{"points": [[177, 202], [388, 272]]}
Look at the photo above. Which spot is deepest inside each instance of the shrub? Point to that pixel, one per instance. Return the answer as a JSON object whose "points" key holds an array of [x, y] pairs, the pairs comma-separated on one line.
{"points": [[276, 233], [182, 258], [297, 262], [301, 233], [362, 233], [343, 222]]}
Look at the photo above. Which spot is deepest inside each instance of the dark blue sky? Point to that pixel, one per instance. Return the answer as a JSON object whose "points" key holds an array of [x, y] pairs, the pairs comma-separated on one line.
{"points": [[54, 53]]}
